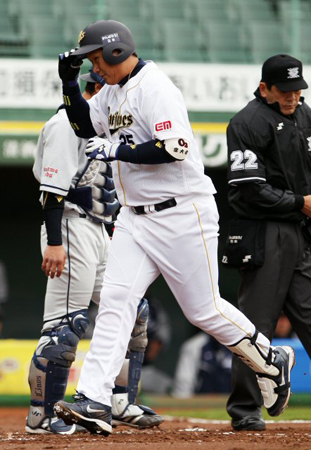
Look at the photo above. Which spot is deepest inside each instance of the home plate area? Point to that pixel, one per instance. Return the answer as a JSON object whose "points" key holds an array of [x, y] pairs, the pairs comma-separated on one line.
{"points": [[174, 433]]}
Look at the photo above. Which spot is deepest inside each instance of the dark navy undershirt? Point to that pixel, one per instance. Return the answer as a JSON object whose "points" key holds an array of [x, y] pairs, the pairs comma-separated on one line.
{"points": [[141, 63]]}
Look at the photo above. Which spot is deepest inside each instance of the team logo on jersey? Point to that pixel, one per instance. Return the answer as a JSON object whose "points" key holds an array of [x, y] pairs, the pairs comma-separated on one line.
{"points": [[309, 143], [280, 126], [49, 171], [118, 121], [162, 126]]}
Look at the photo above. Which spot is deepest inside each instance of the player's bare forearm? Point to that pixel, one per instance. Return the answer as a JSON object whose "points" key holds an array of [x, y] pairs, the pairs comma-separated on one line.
{"points": [[54, 260], [307, 206]]}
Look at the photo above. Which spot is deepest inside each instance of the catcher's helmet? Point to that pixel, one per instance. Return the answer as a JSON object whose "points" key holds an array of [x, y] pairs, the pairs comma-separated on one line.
{"points": [[109, 35], [92, 77]]}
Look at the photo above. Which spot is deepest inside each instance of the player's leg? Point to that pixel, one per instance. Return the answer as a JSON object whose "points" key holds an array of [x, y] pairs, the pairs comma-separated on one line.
{"points": [[65, 321], [49, 371], [194, 282], [128, 274], [124, 409]]}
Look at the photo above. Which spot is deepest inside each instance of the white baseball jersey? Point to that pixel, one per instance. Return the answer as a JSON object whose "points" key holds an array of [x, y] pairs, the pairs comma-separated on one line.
{"points": [[141, 111], [179, 242]]}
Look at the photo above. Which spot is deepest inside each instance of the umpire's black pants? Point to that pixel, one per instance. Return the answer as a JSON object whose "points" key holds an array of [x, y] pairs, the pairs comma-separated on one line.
{"points": [[283, 283]]}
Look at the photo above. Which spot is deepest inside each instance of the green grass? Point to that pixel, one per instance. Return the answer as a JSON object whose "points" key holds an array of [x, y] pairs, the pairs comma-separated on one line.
{"points": [[213, 407], [209, 414], [293, 413], [209, 407]]}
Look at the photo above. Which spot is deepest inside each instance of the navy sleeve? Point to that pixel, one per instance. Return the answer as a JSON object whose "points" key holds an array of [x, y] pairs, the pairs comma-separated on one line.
{"points": [[53, 212], [151, 152], [78, 112]]}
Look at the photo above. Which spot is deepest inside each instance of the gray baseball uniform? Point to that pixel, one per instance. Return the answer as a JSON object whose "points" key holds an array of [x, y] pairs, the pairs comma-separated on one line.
{"points": [[58, 167]]}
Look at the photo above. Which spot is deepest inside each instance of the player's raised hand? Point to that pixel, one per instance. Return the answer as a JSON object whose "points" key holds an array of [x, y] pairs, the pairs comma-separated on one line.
{"points": [[54, 260], [102, 149], [69, 66]]}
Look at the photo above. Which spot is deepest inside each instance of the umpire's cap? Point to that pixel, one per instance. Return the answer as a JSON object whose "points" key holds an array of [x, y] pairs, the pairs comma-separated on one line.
{"points": [[109, 35], [284, 72]]}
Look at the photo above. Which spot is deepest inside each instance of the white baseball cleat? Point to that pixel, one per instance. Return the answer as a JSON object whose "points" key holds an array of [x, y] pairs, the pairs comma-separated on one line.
{"points": [[132, 415], [275, 389], [50, 425]]}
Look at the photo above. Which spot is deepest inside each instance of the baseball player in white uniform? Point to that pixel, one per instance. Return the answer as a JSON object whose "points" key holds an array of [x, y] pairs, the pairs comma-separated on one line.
{"points": [[168, 223], [78, 199]]}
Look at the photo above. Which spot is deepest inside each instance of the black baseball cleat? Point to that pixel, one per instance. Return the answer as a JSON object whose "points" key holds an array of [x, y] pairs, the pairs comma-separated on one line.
{"points": [[249, 423], [93, 416], [275, 389]]}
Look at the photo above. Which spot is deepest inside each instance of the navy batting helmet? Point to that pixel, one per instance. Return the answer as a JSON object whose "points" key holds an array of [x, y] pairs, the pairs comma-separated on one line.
{"points": [[109, 35]]}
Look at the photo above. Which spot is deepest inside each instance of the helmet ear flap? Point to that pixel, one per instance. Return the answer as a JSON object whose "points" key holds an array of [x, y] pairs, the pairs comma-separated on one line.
{"points": [[117, 52]]}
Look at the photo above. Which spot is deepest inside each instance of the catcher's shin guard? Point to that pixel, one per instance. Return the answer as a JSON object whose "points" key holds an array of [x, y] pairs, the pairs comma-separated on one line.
{"points": [[272, 371], [137, 347], [50, 366]]}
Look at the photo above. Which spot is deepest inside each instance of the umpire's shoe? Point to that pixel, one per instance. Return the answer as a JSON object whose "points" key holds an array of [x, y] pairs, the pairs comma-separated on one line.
{"points": [[132, 415], [275, 389], [249, 423], [93, 416]]}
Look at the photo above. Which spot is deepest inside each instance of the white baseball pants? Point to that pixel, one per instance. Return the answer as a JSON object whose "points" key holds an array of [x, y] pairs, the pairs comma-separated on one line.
{"points": [[181, 244]]}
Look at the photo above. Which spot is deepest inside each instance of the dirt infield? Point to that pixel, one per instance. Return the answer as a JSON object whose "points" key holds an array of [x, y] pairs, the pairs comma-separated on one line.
{"points": [[173, 434]]}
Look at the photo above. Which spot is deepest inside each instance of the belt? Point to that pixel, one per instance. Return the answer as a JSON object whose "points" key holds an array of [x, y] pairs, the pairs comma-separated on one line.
{"points": [[154, 208], [82, 216]]}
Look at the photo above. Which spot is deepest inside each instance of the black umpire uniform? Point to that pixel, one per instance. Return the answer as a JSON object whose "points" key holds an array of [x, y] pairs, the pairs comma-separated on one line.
{"points": [[269, 173]]}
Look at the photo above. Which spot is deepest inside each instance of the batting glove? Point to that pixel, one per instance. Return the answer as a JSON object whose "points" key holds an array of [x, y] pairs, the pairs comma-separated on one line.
{"points": [[69, 66], [102, 149]]}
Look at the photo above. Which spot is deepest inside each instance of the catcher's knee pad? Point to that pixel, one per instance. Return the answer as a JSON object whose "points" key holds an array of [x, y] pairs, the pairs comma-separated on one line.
{"points": [[64, 338], [139, 341], [50, 365], [137, 347]]}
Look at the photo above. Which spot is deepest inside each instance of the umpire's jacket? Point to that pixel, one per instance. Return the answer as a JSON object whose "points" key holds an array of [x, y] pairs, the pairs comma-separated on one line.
{"points": [[269, 156]]}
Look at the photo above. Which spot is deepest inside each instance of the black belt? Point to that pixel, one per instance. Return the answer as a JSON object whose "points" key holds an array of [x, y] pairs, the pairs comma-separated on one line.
{"points": [[153, 208], [82, 216]]}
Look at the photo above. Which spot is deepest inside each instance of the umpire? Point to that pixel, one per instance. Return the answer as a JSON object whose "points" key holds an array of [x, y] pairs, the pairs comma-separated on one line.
{"points": [[269, 175]]}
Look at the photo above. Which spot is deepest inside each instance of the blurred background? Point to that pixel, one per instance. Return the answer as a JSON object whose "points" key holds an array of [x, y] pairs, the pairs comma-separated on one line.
{"points": [[211, 49]]}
